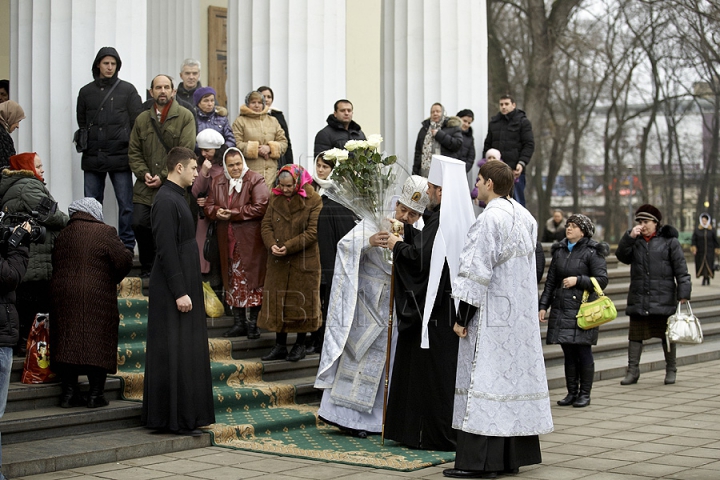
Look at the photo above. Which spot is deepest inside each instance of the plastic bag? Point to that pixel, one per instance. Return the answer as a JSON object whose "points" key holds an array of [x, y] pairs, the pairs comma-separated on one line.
{"points": [[213, 306], [37, 360]]}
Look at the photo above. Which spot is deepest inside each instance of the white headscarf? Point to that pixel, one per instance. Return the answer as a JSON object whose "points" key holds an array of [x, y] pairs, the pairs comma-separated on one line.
{"points": [[235, 183]]}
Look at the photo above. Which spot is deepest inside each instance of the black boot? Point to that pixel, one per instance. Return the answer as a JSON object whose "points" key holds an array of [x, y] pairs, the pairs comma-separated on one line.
{"points": [[97, 389], [278, 352], [253, 332], [70, 396], [297, 353], [571, 381], [633, 370], [587, 373], [239, 329], [670, 363]]}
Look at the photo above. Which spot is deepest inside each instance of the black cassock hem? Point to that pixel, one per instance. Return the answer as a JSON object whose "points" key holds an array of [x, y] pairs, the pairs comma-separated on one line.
{"points": [[496, 454]]}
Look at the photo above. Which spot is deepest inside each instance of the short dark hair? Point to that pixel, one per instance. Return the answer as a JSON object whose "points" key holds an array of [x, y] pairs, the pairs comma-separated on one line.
{"points": [[466, 112], [152, 82], [342, 100], [264, 88], [179, 155], [5, 83], [507, 96], [501, 175]]}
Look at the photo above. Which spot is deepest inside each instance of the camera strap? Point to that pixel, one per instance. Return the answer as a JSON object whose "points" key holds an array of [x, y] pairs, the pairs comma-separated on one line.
{"points": [[153, 122], [107, 95]]}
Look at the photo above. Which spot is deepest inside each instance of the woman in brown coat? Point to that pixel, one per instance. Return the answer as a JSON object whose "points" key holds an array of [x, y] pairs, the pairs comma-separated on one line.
{"points": [[291, 295], [260, 137], [89, 260], [238, 200]]}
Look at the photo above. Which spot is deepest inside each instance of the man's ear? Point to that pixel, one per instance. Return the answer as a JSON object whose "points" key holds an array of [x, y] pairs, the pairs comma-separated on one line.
{"points": [[150, 92], [174, 93]]}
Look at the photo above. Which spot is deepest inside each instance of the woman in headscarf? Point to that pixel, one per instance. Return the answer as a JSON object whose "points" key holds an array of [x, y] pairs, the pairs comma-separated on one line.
{"points": [[259, 137], [237, 200], [439, 135], [575, 260], [704, 247], [89, 260], [10, 116], [333, 223], [291, 294], [659, 279]]}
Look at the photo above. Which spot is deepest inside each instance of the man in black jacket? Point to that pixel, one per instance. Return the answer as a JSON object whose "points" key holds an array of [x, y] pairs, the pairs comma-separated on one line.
{"points": [[510, 132], [109, 123], [190, 76], [340, 129]]}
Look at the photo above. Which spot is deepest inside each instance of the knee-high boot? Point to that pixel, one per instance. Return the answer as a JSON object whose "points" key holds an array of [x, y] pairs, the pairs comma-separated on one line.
{"points": [[70, 396], [670, 363], [571, 381], [97, 389], [633, 370], [253, 332], [239, 328], [587, 373]]}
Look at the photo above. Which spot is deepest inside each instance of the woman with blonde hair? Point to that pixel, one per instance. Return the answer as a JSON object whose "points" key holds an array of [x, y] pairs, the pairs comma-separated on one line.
{"points": [[259, 137]]}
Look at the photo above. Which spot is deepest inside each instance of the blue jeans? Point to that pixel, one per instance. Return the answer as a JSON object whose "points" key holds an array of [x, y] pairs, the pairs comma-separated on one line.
{"points": [[5, 368], [519, 190], [123, 185]]}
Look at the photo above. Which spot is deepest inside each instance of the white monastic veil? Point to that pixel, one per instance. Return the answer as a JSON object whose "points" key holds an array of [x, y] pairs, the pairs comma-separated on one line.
{"points": [[456, 218]]}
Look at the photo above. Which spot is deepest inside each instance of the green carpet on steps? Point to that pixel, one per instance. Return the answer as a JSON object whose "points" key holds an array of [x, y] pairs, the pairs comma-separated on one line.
{"points": [[261, 416]]}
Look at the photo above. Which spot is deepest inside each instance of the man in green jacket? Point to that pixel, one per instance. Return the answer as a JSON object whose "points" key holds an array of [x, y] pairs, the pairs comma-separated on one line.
{"points": [[164, 126]]}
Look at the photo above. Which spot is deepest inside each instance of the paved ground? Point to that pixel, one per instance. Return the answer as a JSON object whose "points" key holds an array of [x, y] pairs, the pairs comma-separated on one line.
{"points": [[648, 430]]}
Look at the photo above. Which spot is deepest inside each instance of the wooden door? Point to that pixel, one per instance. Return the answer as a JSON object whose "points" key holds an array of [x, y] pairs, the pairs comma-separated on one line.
{"points": [[217, 52]]}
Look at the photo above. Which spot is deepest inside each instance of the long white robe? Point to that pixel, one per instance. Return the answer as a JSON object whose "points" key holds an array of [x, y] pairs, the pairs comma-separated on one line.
{"points": [[352, 368], [501, 384]]}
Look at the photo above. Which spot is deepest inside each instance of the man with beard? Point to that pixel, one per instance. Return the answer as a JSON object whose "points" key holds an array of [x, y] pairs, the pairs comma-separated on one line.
{"points": [[425, 263], [157, 130], [177, 394]]}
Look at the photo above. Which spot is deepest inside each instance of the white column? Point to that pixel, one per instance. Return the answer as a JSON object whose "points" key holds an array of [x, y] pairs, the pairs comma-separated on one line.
{"points": [[173, 34], [432, 52], [53, 45], [296, 47]]}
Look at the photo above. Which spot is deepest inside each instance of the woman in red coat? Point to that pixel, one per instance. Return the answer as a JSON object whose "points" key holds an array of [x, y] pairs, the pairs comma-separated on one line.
{"points": [[237, 200]]}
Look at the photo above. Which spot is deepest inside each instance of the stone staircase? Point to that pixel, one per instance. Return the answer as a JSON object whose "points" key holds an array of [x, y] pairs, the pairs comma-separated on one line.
{"points": [[38, 436]]}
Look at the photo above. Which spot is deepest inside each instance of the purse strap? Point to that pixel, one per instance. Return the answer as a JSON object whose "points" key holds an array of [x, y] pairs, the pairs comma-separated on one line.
{"points": [[596, 287], [92, 122], [679, 308]]}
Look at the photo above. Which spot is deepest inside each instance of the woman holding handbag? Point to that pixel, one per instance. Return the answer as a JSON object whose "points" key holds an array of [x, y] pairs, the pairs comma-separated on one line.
{"points": [[659, 279], [575, 260]]}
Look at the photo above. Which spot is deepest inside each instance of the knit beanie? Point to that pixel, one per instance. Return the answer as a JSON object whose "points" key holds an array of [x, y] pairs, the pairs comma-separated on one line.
{"points": [[583, 222], [201, 92], [648, 212]]}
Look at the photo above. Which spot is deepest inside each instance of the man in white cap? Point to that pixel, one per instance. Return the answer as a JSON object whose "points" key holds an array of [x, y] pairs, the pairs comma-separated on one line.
{"points": [[425, 263], [501, 401], [352, 366]]}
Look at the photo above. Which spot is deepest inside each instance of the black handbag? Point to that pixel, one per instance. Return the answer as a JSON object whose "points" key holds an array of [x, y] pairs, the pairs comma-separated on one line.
{"points": [[211, 251], [80, 138]]}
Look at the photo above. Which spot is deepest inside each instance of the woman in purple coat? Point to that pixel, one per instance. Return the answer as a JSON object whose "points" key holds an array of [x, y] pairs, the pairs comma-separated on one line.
{"points": [[207, 116]]}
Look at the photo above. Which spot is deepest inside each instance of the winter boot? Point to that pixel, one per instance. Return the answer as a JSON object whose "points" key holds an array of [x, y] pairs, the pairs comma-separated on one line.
{"points": [[633, 370], [70, 396], [239, 329], [278, 352], [670, 363], [97, 389], [571, 380], [253, 332], [587, 373], [297, 353]]}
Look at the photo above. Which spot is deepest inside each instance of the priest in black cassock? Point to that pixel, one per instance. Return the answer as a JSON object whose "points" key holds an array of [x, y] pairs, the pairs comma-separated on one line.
{"points": [[178, 388], [420, 403]]}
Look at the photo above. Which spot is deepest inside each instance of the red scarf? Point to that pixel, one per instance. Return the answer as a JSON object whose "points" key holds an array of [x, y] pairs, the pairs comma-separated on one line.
{"points": [[648, 238], [164, 111]]}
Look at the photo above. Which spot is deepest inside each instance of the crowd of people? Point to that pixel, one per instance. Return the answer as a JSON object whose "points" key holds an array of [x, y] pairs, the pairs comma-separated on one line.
{"points": [[224, 202]]}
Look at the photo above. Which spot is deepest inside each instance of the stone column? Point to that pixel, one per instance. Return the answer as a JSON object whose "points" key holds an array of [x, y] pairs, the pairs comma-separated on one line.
{"points": [[173, 34], [432, 52], [296, 47], [53, 45]]}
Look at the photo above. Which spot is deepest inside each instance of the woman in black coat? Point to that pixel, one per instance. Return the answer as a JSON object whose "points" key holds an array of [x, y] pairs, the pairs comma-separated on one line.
{"points": [[438, 135], [659, 279], [575, 260], [467, 150], [704, 246]]}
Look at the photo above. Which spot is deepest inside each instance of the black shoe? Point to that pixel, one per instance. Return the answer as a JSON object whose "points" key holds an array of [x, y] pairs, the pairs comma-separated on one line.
{"points": [[296, 354], [95, 401], [457, 473], [253, 332], [71, 396], [189, 433], [278, 352]]}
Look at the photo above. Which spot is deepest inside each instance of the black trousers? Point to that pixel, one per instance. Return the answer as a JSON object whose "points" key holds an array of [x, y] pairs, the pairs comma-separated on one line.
{"points": [[143, 235], [495, 454]]}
